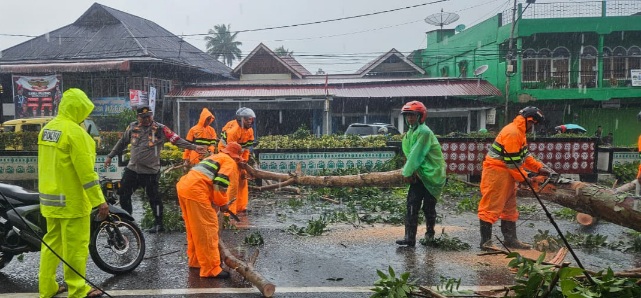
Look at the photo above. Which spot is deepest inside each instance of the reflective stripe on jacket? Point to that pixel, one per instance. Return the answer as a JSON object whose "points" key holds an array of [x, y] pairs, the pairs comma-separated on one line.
{"points": [[510, 150], [212, 180], [425, 158], [201, 134], [233, 132], [67, 182]]}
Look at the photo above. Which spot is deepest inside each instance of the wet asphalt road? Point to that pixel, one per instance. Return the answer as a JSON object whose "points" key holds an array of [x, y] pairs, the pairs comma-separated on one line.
{"points": [[341, 263]]}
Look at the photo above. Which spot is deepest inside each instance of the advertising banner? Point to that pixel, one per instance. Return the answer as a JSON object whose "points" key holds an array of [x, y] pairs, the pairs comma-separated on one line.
{"points": [[35, 96], [635, 74], [138, 97], [152, 99], [106, 106]]}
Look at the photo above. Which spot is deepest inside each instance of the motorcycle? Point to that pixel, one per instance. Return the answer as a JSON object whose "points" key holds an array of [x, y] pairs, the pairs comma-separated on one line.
{"points": [[116, 244], [110, 189]]}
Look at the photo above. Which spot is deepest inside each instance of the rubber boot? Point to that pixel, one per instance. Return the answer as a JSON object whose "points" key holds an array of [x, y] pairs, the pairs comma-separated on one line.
{"points": [[410, 237], [486, 234], [158, 224], [429, 231], [509, 233]]}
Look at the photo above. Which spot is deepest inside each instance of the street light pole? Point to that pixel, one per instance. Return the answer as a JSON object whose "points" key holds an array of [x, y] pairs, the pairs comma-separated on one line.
{"points": [[509, 68]]}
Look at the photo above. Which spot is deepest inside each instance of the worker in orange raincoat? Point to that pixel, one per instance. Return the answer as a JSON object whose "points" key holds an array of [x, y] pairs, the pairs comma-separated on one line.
{"points": [[241, 131], [639, 148], [201, 134], [504, 166], [210, 183]]}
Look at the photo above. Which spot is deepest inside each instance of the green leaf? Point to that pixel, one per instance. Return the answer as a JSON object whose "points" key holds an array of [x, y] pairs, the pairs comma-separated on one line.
{"points": [[569, 272]]}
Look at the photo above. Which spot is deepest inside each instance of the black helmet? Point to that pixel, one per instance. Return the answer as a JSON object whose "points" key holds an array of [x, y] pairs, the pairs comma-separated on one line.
{"points": [[532, 112]]}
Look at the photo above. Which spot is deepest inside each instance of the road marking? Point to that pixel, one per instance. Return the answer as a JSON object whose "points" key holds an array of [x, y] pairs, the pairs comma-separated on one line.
{"points": [[161, 292]]}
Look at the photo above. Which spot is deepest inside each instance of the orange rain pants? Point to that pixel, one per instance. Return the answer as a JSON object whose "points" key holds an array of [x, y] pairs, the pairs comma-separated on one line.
{"points": [[233, 132], [498, 191], [196, 193]]}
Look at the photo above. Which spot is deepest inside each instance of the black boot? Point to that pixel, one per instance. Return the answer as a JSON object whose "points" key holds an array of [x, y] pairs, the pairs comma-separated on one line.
{"points": [[486, 234], [410, 237], [429, 232], [158, 225], [509, 233]]}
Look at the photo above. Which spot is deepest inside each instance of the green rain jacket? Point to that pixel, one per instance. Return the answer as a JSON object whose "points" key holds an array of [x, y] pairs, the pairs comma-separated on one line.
{"points": [[425, 158], [67, 182]]}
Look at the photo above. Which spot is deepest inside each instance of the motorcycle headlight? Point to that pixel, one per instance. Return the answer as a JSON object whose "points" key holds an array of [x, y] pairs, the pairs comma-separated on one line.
{"points": [[109, 185]]}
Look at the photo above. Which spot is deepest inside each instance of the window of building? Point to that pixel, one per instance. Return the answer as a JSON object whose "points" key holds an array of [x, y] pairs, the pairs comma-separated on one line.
{"points": [[588, 67], [634, 59], [536, 65], [561, 66]]}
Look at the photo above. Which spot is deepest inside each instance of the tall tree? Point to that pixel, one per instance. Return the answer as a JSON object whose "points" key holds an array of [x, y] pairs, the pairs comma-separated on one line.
{"points": [[282, 51], [221, 43]]}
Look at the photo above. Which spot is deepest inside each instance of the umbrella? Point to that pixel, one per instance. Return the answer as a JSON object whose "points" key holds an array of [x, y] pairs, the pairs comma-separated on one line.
{"points": [[571, 128]]}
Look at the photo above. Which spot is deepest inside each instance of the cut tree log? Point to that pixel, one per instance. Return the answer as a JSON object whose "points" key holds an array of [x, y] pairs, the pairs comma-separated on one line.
{"points": [[613, 205], [618, 208], [264, 286]]}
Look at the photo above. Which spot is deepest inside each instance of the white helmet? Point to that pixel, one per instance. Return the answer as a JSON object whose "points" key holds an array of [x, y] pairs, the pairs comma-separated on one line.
{"points": [[245, 112]]}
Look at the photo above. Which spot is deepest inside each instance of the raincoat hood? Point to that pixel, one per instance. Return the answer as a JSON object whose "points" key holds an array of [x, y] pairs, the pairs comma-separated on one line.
{"points": [[75, 105], [202, 121], [520, 123]]}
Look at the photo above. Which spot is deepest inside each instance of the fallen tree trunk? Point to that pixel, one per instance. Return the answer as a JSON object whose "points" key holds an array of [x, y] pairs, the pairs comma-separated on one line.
{"points": [[381, 179], [618, 208], [263, 285], [613, 205]]}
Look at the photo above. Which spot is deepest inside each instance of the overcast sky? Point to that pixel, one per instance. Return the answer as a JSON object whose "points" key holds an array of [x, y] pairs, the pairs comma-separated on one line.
{"points": [[336, 47]]}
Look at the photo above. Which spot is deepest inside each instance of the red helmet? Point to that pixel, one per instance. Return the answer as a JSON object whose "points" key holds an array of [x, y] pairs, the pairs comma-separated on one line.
{"points": [[415, 107]]}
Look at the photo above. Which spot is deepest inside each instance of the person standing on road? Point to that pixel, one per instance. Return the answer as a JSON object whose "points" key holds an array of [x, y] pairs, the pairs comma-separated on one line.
{"points": [[147, 138], [241, 131], [69, 189], [207, 186], [201, 134], [424, 170], [503, 166]]}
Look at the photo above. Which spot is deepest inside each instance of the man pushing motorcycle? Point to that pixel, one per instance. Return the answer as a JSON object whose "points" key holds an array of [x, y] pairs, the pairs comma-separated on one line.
{"points": [[66, 152]]}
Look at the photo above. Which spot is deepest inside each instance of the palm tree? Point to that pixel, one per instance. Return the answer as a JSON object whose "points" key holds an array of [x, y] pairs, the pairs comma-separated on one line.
{"points": [[281, 51], [220, 42]]}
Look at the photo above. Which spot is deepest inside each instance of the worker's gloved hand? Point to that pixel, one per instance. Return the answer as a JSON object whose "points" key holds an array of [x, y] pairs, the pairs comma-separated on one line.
{"points": [[201, 149], [546, 171]]}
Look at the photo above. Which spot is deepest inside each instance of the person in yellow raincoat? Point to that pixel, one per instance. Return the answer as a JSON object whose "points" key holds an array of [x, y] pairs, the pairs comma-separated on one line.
{"points": [[424, 170], [69, 189], [201, 134], [503, 166], [241, 131], [210, 183]]}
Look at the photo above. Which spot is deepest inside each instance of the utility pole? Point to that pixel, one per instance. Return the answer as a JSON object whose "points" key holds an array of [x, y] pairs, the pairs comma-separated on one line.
{"points": [[509, 68]]}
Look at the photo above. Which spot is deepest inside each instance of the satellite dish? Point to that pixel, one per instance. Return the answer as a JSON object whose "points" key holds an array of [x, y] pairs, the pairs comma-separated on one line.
{"points": [[459, 28], [442, 18], [480, 70]]}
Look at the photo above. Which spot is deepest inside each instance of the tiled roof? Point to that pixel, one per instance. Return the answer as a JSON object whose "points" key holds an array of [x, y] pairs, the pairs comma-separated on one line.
{"points": [[355, 89], [106, 33]]}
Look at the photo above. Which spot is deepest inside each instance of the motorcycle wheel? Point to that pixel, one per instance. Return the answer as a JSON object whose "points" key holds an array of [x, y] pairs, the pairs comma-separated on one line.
{"points": [[5, 258], [117, 247]]}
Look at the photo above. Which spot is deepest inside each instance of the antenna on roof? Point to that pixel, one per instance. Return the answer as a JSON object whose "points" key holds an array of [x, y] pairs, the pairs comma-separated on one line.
{"points": [[442, 18]]}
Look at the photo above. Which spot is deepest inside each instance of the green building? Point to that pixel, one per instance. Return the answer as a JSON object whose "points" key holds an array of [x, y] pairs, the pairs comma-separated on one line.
{"points": [[578, 62]]}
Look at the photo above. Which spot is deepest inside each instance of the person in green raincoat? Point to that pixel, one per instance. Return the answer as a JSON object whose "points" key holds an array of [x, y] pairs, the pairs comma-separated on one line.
{"points": [[424, 170], [69, 189]]}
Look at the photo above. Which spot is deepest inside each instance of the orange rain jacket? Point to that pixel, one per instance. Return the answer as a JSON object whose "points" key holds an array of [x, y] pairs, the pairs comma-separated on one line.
{"points": [[505, 161], [201, 134], [639, 147], [212, 181], [233, 132]]}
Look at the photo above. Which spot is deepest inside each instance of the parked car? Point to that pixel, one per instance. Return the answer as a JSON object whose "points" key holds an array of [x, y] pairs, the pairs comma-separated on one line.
{"points": [[367, 130], [37, 123]]}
